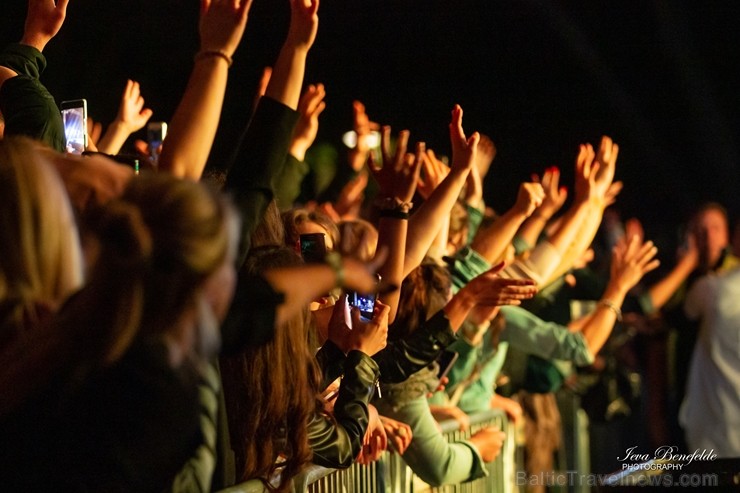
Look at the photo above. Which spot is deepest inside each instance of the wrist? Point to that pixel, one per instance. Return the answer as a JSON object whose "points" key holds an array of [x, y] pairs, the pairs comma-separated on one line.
{"points": [[35, 41], [214, 56], [298, 151]]}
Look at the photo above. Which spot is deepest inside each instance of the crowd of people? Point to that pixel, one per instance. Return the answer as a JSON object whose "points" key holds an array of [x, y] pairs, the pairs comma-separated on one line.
{"points": [[186, 329]]}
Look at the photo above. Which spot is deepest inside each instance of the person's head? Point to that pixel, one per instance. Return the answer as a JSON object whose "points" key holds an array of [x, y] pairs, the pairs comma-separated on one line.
{"points": [[359, 239], [40, 255], [303, 221], [710, 225], [271, 390], [164, 259], [424, 292]]}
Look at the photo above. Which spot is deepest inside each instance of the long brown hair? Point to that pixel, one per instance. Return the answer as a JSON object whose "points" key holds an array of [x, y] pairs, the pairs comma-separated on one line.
{"points": [[271, 391], [424, 292]]}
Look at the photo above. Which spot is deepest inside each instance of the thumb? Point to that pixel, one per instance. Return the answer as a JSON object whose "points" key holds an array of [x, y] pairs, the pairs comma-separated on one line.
{"points": [[497, 268]]}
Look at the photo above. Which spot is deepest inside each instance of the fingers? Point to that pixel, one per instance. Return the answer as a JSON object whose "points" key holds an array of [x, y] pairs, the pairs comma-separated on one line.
{"points": [[401, 146]]}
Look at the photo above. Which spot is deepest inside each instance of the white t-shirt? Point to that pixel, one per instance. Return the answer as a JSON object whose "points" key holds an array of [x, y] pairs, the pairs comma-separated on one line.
{"points": [[710, 412]]}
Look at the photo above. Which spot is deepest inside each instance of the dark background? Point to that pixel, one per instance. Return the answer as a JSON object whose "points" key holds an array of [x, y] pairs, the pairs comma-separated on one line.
{"points": [[539, 77]]}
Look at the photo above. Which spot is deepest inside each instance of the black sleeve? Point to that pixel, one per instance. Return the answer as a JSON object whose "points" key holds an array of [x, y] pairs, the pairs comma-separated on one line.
{"points": [[402, 358], [336, 442]]}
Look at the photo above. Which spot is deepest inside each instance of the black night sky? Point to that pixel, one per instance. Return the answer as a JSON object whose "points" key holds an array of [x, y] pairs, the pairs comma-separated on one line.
{"points": [[538, 76]]}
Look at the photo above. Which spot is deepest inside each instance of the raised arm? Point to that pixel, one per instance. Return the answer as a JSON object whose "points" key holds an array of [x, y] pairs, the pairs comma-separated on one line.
{"points": [[594, 189], [492, 241], [663, 290], [27, 106], [287, 74], [43, 22], [193, 126], [554, 199], [631, 260], [425, 223], [132, 116], [397, 179]]}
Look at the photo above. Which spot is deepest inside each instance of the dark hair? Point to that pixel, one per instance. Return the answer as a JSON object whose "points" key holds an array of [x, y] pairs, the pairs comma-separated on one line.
{"points": [[271, 391], [424, 292]]}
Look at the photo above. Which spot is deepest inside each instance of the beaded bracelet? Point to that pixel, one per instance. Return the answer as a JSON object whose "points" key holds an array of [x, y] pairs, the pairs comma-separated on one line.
{"points": [[202, 55], [613, 307]]}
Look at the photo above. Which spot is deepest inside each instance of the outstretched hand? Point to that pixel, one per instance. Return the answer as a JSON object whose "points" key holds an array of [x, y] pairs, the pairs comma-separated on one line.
{"points": [[489, 289], [131, 114], [399, 174], [464, 150], [529, 198], [632, 259], [43, 21], [555, 195], [310, 107], [304, 23], [222, 24]]}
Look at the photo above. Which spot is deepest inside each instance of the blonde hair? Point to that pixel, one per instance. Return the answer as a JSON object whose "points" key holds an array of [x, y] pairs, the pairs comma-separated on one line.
{"points": [[359, 239], [40, 255], [158, 244]]}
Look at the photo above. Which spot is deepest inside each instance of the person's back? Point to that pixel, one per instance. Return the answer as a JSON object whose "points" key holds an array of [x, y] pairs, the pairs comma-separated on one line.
{"points": [[710, 412]]}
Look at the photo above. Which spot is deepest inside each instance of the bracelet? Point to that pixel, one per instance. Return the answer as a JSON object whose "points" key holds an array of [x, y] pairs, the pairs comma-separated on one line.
{"points": [[613, 307], [334, 260], [393, 203], [394, 213], [202, 55]]}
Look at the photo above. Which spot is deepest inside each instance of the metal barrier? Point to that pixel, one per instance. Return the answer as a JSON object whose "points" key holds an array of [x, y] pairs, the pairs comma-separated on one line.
{"points": [[391, 474]]}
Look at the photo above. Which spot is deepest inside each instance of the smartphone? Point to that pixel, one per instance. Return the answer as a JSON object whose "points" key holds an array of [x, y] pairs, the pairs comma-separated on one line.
{"points": [[74, 116], [365, 302], [445, 362], [155, 135], [313, 247]]}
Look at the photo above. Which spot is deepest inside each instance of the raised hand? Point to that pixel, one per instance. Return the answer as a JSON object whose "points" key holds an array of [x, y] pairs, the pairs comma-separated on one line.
{"points": [[607, 160], [43, 21], [631, 260], [399, 174], [529, 198], [310, 107], [304, 23], [222, 24], [464, 150], [585, 175], [131, 113], [555, 195], [433, 173], [363, 127]]}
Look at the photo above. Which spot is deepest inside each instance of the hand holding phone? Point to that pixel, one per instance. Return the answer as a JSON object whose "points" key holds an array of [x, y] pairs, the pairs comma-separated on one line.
{"points": [[74, 116], [156, 132]]}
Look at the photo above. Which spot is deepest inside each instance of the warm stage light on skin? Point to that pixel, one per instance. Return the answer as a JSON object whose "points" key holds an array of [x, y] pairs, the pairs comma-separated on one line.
{"points": [[350, 139]]}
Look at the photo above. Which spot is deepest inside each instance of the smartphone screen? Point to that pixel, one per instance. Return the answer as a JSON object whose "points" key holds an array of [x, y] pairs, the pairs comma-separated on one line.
{"points": [[155, 134], [365, 302], [313, 247], [74, 116], [445, 362]]}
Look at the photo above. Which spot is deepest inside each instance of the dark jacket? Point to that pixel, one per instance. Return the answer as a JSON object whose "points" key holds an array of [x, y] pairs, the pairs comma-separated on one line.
{"points": [[27, 106]]}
